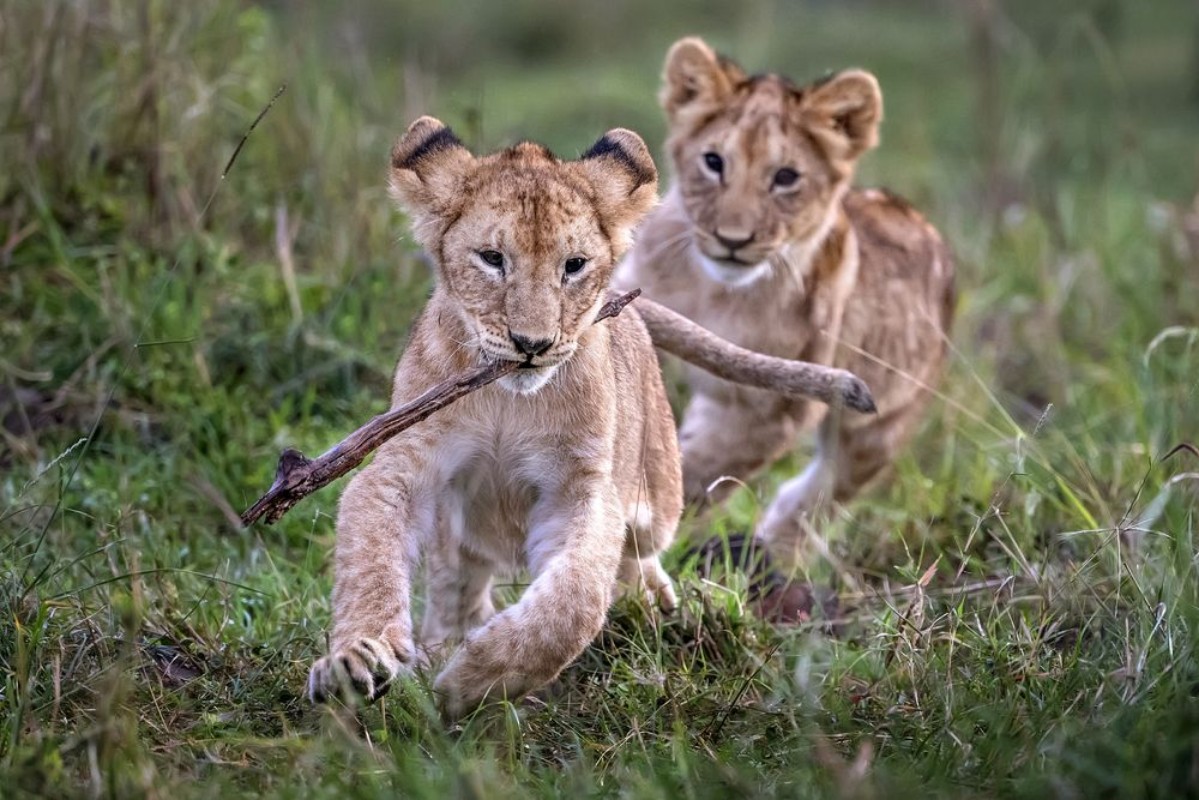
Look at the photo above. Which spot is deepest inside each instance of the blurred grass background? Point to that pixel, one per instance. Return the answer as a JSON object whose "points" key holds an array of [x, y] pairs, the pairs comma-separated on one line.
{"points": [[166, 330]]}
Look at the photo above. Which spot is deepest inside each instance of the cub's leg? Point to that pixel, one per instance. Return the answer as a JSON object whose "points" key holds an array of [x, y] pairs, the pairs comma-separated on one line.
{"points": [[574, 546], [376, 547], [798, 500], [648, 575], [851, 453], [719, 439], [646, 535], [458, 592]]}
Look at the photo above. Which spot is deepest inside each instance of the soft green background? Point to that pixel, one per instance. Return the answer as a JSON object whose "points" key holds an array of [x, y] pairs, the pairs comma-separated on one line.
{"points": [[164, 332]]}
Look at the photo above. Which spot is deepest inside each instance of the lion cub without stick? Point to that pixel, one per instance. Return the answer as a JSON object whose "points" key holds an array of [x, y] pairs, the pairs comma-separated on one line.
{"points": [[568, 467], [762, 240]]}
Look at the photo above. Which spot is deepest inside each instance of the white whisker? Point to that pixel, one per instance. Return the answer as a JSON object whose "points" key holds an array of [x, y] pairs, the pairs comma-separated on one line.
{"points": [[779, 260], [668, 245]]}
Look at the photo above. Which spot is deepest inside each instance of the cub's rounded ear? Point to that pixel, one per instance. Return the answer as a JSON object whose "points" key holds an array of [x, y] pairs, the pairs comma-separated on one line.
{"points": [[622, 171], [844, 112], [695, 78], [428, 163]]}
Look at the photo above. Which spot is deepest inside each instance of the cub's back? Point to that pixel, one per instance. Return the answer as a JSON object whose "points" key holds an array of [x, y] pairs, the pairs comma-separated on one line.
{"points": [[902, 307]]}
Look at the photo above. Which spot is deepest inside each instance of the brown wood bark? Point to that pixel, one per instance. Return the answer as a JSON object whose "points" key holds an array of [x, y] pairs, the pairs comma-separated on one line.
{"points": [[298, 476]]}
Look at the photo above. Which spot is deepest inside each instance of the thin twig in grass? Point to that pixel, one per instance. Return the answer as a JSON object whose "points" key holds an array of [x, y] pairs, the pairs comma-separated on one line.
{"points": [[159, 571], [246, 136], [54, 461], [1179, 448], [1126, 519], [1123, 527]]}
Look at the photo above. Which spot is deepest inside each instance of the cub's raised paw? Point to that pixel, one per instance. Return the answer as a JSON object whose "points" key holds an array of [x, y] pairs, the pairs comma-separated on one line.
{"points": [[365, 667]]}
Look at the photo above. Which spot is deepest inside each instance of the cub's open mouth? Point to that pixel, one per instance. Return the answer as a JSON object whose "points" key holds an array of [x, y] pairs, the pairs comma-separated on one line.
{"points": [[528, 365]]}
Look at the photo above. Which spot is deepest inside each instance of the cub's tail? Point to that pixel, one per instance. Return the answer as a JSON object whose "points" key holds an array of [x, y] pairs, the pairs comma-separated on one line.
{"points": [[696, 345]]}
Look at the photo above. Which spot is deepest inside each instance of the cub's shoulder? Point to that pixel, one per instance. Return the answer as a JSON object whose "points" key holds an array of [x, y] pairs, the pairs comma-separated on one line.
{"points": [[630, 340], [883, 216], [896, 241]]}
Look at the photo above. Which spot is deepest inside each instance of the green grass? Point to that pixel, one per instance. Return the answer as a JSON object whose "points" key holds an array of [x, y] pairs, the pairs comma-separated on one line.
{"points": [[1021, 603]]}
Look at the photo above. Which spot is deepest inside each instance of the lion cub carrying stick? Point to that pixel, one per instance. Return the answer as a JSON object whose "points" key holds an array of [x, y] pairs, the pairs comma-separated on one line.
{"points": [[568, 467]]}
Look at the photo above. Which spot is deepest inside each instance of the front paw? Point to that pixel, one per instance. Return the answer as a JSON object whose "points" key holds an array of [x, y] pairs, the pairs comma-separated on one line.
{"points": [[456, 695], [471, 678], [365, 667]]}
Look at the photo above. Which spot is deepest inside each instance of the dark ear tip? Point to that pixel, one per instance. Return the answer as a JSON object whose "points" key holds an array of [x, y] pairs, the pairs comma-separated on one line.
{"points": [[630, 150], [424, 137], [626, 139], [424, 123]]}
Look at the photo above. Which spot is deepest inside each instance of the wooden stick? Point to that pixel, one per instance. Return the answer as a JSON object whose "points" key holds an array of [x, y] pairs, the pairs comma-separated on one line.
{"points": [[698, 346], [298, 476]]}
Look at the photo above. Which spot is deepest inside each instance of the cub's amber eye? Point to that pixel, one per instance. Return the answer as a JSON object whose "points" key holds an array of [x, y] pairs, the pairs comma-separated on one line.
{"points": [[492, 258], [714, 162], [786, 177], [574, 265]]}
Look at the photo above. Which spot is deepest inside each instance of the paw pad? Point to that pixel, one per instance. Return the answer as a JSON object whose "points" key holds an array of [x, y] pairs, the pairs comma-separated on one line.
{"points": [[364, 668]]}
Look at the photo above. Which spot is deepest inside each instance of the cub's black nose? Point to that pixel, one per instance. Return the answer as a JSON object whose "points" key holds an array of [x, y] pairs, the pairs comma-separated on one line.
{"points": [[529, 346]]}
